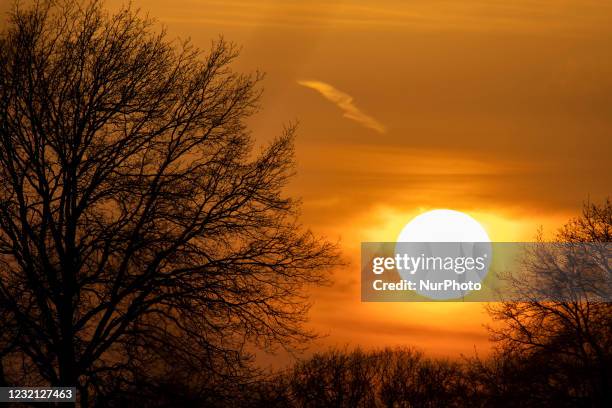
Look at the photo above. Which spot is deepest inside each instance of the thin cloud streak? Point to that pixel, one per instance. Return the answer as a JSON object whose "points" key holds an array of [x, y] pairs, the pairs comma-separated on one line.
{"points": [[345, 103], [439, 15]]}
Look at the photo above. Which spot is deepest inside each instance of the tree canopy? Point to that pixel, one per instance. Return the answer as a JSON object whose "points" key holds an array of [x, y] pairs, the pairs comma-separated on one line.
{"points": [[138, 222]]}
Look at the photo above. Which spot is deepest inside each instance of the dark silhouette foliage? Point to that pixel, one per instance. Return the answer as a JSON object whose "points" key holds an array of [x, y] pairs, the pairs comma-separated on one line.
{"points": [[572, 336], [141, 236]]}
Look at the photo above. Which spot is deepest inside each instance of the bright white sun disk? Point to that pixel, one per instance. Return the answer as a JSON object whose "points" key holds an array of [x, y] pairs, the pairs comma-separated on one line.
{"points": [[443, 226]]}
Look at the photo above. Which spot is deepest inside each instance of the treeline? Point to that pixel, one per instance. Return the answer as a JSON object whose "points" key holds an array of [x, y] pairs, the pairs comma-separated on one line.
{"points": [[395, 378], [399, 377], [404, 377]]}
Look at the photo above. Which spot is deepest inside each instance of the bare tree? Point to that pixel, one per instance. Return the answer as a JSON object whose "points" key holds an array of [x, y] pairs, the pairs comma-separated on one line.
{"points": [[400, 377], [510, 379], [567, 320], [335, 378], [137, 225]]}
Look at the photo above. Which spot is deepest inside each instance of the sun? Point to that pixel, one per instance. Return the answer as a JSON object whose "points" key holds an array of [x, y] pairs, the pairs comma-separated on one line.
{"points": [[443, 226]]}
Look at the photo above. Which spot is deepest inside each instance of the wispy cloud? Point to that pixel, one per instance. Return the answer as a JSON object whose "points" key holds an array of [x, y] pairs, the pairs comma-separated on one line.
{"points": [[437, 15], [345, 103]]}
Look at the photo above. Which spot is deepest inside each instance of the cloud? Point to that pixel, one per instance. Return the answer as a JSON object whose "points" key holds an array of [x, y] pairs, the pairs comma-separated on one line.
{"points": [[345, 103]]}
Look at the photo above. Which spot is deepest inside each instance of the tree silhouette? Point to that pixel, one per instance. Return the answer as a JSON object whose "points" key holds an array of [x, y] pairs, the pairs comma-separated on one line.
{"points": [[567, 320], [137, 225], [400, 377]]}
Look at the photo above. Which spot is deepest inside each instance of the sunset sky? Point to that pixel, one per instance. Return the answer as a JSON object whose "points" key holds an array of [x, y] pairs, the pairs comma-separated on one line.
{"points": [[498, 109]]}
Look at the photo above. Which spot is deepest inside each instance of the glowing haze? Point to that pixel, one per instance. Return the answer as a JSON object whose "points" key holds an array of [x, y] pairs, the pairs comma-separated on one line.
{"points": [[497, 109]]}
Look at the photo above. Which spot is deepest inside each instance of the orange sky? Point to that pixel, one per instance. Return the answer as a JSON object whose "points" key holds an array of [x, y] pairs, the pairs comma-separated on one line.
{"points": [[500, 109]]}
